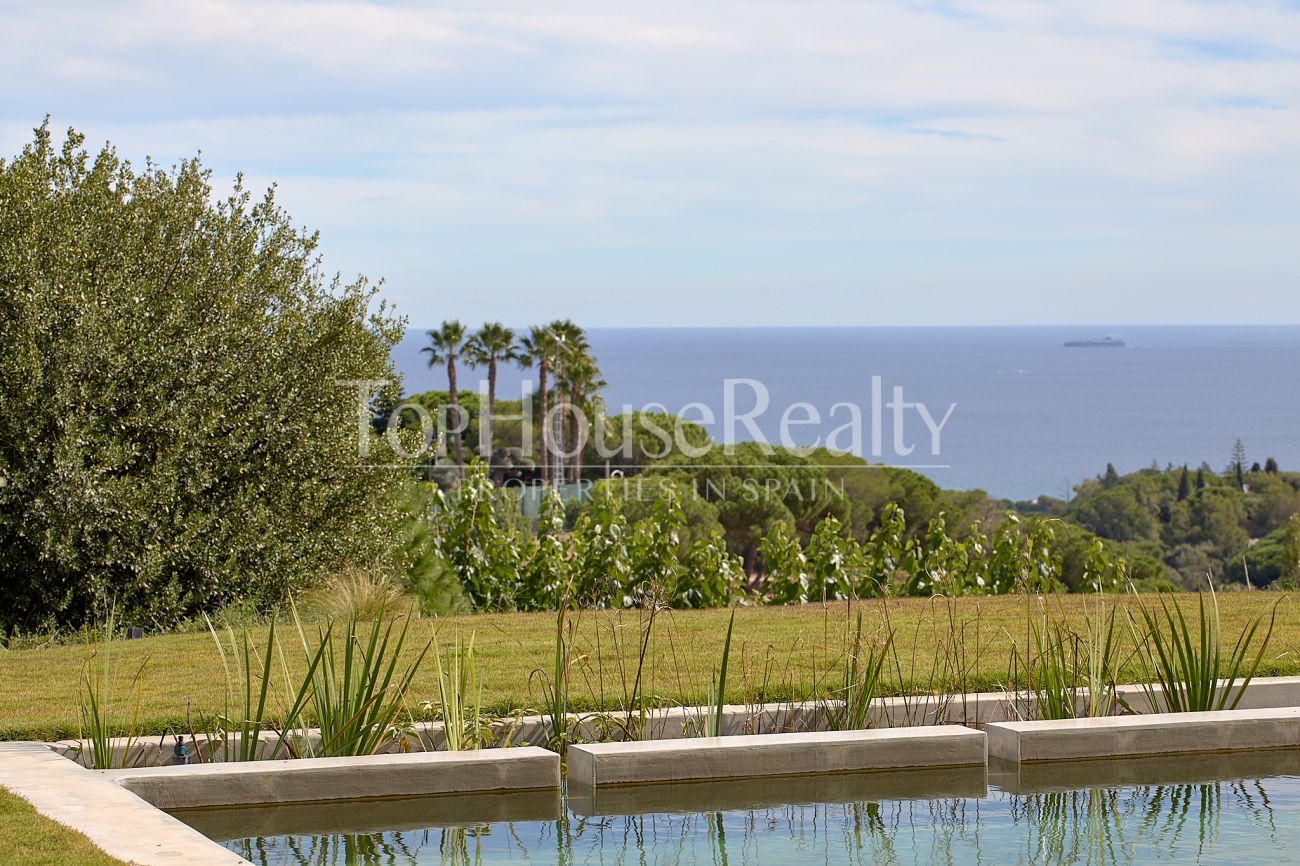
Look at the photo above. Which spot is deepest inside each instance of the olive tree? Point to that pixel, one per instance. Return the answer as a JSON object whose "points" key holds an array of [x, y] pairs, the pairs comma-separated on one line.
{"points": [[175, 427]]}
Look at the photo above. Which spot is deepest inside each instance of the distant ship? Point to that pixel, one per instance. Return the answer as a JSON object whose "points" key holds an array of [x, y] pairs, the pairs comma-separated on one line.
{"points": [[1095, 343]]}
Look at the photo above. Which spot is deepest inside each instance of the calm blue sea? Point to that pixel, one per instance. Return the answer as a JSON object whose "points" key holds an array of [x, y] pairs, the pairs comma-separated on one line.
{"points": [[1030, 416]]}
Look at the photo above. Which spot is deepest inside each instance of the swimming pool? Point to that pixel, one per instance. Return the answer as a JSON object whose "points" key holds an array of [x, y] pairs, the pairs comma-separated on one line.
{"points": [[1239, 808]]}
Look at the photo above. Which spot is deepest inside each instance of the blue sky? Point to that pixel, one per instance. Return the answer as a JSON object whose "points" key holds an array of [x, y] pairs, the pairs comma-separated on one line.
{"points": [[725, 163]]}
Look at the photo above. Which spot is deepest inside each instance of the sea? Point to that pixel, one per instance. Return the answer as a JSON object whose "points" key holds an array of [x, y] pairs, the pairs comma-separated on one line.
{"points": [[1010, 410]]}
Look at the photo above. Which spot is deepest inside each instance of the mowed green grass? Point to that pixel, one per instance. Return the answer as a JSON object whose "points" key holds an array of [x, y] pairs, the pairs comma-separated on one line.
{"points": [[29, 838], [778, 653]]}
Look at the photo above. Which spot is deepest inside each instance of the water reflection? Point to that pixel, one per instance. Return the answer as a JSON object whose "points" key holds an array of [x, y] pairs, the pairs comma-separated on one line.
{"points": [[1222, 809], [1104, 825], [1171, 804]]}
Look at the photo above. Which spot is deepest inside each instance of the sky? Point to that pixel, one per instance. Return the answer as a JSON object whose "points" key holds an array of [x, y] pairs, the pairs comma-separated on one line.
{"points": [[766, 162]]}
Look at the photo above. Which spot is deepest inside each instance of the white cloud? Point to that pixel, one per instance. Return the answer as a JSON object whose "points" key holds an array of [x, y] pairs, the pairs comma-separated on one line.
{"points": [[641, 148]]}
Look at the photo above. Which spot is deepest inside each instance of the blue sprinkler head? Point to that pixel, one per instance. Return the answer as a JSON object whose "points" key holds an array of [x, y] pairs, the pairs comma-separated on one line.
{"points": [[180, 754]]}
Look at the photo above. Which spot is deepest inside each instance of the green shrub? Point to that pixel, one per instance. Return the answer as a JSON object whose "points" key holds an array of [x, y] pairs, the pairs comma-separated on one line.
{"points": [[173, 433]]}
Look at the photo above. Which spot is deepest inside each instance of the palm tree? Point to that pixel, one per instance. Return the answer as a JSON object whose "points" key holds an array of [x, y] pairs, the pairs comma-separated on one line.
{"points": [[445, 345], [582, 378], [570, 344], [578, 378], [491, 343], [540, 346]]}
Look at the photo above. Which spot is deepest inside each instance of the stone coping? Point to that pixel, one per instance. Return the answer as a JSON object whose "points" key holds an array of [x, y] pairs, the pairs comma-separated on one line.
{"points": [[1152, 734], [309, 780], [116, 820], [773, 755]]}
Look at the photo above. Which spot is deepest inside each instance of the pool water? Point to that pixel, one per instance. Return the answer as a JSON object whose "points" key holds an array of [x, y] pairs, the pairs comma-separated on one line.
{"points": [[1233, 808]]}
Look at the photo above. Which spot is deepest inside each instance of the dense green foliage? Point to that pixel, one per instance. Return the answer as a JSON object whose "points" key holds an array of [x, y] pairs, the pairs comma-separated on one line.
{"points": [[1190, 523], [1167, 529], [173, 431], [625, 551], [604, 560]]}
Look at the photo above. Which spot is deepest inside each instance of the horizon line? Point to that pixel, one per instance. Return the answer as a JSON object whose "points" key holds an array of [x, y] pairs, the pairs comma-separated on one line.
{"points": [[972, 327]]}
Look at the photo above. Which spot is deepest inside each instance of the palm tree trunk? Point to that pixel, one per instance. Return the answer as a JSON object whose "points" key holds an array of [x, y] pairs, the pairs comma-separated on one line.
{"points": [[546, 454], [455, 406], [491, 406], [579, 444], [561, 436]]}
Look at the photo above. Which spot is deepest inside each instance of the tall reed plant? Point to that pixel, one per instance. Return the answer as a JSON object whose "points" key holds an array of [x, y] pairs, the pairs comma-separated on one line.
{"points": [[718, 685], [633, 666], [555, 684], [1189, 667], [1102, 648], [247, 710], [1069, 673], [99, 707], [248, 685], [927, 692], [358, 683], [460, 696], [864, 666], [1050, 670], [636, 711]]}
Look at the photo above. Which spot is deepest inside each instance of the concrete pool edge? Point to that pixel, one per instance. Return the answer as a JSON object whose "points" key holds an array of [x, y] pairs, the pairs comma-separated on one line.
{"points": [[767, 755], [1144, 735], [117, 821], [310, 780]]}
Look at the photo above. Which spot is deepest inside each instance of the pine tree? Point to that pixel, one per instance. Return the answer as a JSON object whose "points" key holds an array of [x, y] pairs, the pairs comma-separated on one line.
{"points": [[1236, 466], [1270, 466], [1184, 485], [1111, 478], [1200, 479]]}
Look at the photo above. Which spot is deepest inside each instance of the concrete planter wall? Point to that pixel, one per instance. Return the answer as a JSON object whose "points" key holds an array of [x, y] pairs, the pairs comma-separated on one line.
{"points": [[310, 780], [757, 756], [1141, 736], [972, 709]]}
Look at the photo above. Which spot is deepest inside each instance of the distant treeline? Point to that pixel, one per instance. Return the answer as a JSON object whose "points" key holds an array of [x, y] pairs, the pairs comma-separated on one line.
{"points": [[1239, 524]]}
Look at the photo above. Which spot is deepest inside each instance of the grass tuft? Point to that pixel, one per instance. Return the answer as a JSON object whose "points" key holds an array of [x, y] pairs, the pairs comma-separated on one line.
{"points": [[1186, 668], [358, 684], [101, 717]]}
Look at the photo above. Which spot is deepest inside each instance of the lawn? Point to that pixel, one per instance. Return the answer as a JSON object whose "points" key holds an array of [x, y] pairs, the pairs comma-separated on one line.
{"points": [[30, 838], [778, 652]]}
